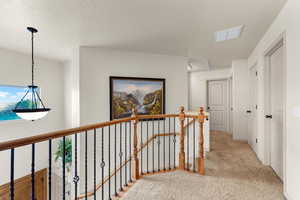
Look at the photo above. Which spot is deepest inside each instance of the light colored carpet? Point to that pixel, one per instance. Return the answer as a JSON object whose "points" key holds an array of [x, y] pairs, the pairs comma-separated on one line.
{"points": [[232, 173]]}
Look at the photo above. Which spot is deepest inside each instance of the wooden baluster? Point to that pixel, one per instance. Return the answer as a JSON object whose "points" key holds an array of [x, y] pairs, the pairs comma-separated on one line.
{"points": [[181, 139], [201, 118], [135, 161]]}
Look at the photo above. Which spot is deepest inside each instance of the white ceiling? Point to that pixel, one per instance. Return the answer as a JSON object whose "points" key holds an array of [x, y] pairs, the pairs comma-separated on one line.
{"points": [[173, 27]]}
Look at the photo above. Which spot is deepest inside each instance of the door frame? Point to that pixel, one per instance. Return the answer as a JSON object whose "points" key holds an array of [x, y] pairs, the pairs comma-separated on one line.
{"points": [[230, 105], [279, 42], [254, 66], [227, 79]]}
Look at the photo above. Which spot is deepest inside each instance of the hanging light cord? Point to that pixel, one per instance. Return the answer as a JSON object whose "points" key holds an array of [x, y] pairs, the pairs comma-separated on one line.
{"points": [[33, 100], [32, 59]]}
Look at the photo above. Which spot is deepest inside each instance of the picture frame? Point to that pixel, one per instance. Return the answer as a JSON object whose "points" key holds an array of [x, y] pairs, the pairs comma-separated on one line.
{"points": [[147, 95]]}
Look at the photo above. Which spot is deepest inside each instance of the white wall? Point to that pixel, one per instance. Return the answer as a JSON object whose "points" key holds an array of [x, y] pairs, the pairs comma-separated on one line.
{"points": [[198, 86], [286, 22], [16, 70], [97, 64], [240, 100]]}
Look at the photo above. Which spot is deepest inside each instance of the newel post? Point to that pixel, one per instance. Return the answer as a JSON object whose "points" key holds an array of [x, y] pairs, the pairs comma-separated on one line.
{"points": [[181, 139], [135, 160], [201, 118]]}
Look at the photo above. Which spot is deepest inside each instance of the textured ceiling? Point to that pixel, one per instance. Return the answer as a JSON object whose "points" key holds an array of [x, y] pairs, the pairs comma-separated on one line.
{"points": [[173, 27]]}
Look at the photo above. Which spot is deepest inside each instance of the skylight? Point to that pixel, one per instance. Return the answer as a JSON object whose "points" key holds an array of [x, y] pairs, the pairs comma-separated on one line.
{"points": [[229, 34]]}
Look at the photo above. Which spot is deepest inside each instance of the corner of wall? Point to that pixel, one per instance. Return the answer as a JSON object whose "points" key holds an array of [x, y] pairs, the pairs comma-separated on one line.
{"points": [[71, 84]]}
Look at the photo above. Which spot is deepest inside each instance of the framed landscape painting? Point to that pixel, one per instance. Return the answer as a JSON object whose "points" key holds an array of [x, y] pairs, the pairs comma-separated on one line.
{"points": [[9, 97], [147, 95]]}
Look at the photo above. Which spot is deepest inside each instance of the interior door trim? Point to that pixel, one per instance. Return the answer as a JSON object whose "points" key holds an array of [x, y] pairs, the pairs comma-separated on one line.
{"points": [[277, 43]]}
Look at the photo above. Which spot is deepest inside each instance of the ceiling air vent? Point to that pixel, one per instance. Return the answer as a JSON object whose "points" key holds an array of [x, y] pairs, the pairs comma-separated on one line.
{"points": [[229, 34]]}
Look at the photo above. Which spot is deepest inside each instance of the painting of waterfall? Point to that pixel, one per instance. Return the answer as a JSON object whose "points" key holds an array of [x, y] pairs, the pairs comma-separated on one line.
{"points": [[146, 95], [9, 96]]}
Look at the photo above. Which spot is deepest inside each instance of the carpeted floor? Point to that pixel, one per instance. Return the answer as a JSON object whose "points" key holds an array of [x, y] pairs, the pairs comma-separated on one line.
{"points": [[232, 173]]}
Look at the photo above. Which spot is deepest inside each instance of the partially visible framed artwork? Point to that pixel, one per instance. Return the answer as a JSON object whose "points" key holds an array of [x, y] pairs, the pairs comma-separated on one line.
{"points": [[9, 97], [147, 95]]}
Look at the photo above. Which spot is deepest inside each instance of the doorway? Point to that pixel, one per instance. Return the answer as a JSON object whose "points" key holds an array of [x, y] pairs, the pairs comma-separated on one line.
{"points": [[217, 104], [276, 109]]}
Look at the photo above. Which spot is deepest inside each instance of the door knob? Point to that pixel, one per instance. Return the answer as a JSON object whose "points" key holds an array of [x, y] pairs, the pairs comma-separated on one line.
{"points": [[248, 111], [269, 116]]}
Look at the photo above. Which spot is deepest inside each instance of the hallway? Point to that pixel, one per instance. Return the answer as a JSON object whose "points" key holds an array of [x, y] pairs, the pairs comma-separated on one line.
{"points": [[232, 173]]}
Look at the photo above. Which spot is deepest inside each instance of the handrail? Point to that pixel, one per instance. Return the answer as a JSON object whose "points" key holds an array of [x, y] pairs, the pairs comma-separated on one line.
{"points": [[99, 186], [67, 132], [156, 116], [133, 158], [144, 145], [57, 134]]}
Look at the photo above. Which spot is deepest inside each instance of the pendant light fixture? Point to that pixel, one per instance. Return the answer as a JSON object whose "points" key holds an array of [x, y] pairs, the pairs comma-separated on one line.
{"points": [[35, 108]]}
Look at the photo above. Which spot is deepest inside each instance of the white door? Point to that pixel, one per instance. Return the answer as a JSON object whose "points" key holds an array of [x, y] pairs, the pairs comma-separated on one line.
{"points": [[217, 104], [252, 112], [276, 89]]}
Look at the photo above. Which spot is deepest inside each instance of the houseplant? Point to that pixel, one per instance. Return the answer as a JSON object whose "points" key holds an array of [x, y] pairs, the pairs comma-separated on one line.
{"points": [[68, 153], [68, 162]]}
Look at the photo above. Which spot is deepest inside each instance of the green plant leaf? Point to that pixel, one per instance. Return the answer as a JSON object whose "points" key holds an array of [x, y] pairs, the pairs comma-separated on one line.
{"points": [[68, 150]]}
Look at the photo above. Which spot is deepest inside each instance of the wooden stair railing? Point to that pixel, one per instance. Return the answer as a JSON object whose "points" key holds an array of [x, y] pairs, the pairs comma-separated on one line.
{"points": [[137, 147]]}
